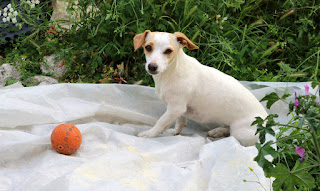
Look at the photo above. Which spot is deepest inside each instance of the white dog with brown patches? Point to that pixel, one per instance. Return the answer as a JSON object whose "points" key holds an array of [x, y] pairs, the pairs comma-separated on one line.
{"points": [[195, 91]]}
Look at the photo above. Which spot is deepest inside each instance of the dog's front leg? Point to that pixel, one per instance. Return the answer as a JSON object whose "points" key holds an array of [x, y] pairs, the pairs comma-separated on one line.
{"points": [[173, 113]]}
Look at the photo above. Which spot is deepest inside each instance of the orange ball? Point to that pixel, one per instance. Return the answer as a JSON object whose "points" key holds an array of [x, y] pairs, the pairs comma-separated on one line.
{"points": [[66, 139]]}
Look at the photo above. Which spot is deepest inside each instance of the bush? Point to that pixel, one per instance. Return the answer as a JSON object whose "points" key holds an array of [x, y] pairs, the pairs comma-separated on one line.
{"points": [[261, 40], [296, 162]]}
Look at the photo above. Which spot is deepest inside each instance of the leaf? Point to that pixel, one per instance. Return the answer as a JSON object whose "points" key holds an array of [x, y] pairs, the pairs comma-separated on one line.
{"points": [[290, 179], [261, 130], [258, 120], [262, 134], [310, 117], [265, 150], [270, 50], [271, 99], [300, 121], [286, 95], [314, 84], [270, 124]]}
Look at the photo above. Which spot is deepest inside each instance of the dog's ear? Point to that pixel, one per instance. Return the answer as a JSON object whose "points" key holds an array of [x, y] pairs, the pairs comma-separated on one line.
{"points": [[138, 40], [184, 41]]}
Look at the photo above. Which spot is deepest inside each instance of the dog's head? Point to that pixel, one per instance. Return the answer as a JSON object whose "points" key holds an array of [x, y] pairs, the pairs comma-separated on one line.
{"points": [[161, 48]]}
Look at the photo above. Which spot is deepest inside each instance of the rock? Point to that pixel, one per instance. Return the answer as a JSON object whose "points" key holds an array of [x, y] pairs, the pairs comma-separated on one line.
{"points": [[15, 85], [44, 80], [60, 13], [40, 80], [8, 71], [52, 66]]}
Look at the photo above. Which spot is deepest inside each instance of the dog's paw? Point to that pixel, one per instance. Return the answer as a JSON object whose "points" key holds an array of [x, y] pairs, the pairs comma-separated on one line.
{"points": [[149, 133], [219, 132], [171, 132]]}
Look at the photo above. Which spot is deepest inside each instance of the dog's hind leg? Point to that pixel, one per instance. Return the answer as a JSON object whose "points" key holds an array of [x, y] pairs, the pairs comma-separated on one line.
{"points": [[180, 124], [219, 132], [244, 132]]}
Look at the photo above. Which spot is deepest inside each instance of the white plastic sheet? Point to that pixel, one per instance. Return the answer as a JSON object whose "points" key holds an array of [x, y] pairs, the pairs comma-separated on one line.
{"points": [[111, 157]]}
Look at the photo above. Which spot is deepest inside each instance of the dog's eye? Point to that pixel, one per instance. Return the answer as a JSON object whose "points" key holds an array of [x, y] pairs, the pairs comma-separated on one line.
{"points": [[148, 48], [168, 51]]}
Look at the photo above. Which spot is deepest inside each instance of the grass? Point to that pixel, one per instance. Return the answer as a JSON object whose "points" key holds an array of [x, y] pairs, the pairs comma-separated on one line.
{"points": [[253, 40]]}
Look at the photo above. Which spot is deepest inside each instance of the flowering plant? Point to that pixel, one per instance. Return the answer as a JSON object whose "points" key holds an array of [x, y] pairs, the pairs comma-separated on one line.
{"points": [[296, 162], [18, 17], [9, 13]]}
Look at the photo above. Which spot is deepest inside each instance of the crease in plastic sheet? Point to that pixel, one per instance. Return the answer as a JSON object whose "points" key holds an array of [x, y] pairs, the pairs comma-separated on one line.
{"points": [[111, 157]]}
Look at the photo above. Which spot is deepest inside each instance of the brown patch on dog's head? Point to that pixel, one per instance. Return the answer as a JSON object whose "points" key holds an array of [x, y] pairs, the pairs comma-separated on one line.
{"points": [[139, 39]]}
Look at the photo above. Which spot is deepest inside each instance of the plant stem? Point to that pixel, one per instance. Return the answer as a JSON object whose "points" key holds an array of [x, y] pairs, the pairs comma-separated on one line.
{"points": [[287, 137], [34, 44], [259, 184], [31, 35], [315, 156], [311, 166], [314, 136], [284, 125]]}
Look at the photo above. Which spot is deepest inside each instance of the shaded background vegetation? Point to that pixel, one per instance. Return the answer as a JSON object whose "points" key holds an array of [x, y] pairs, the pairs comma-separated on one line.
{"points": [[254, 40]]}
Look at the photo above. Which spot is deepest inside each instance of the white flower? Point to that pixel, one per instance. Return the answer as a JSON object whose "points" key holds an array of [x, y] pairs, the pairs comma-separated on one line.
{"points": [[33, 1], [9, 6], [0, 12], [14, 20], [37, 2], [218, 16], [32, 6], [5, 9], [9, 14], [29, 2], [4, 20], [5, 14], [11, 10], [15, 13], [221, 27], [8, 19]]}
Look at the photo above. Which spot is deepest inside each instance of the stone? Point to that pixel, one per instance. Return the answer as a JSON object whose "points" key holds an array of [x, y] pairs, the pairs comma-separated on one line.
{"points": [[15, 85], [53, 67], [7, 71], [40, 80], [60, 13], [44, 80]]}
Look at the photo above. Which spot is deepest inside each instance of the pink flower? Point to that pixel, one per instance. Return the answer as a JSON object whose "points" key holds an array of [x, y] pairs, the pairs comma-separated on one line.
{"points": [[296, 103], [295, 94], [300, 151], [306, 87], [318, 102]]}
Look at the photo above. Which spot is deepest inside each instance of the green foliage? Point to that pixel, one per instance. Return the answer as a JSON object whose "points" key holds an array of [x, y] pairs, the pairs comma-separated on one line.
{"points": [[261, 130], [272, 98], [292, 170], [10, 81], [290, 178], [264, 151], [263, 40]]}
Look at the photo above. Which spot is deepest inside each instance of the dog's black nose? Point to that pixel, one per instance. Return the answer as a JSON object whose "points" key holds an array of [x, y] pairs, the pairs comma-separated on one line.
{"points": [[152, 67]]}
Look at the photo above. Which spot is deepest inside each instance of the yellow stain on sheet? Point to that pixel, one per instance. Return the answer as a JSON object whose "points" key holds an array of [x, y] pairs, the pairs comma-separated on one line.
{"points": [[134, 183], [132, 149], [88, 173]]}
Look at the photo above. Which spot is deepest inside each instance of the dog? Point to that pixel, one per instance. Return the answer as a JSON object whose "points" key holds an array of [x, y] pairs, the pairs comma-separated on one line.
{"points": [[195, 91]]}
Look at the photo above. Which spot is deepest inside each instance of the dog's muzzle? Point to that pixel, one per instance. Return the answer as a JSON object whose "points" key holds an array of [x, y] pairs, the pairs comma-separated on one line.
{"points": [[152, 68]]}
